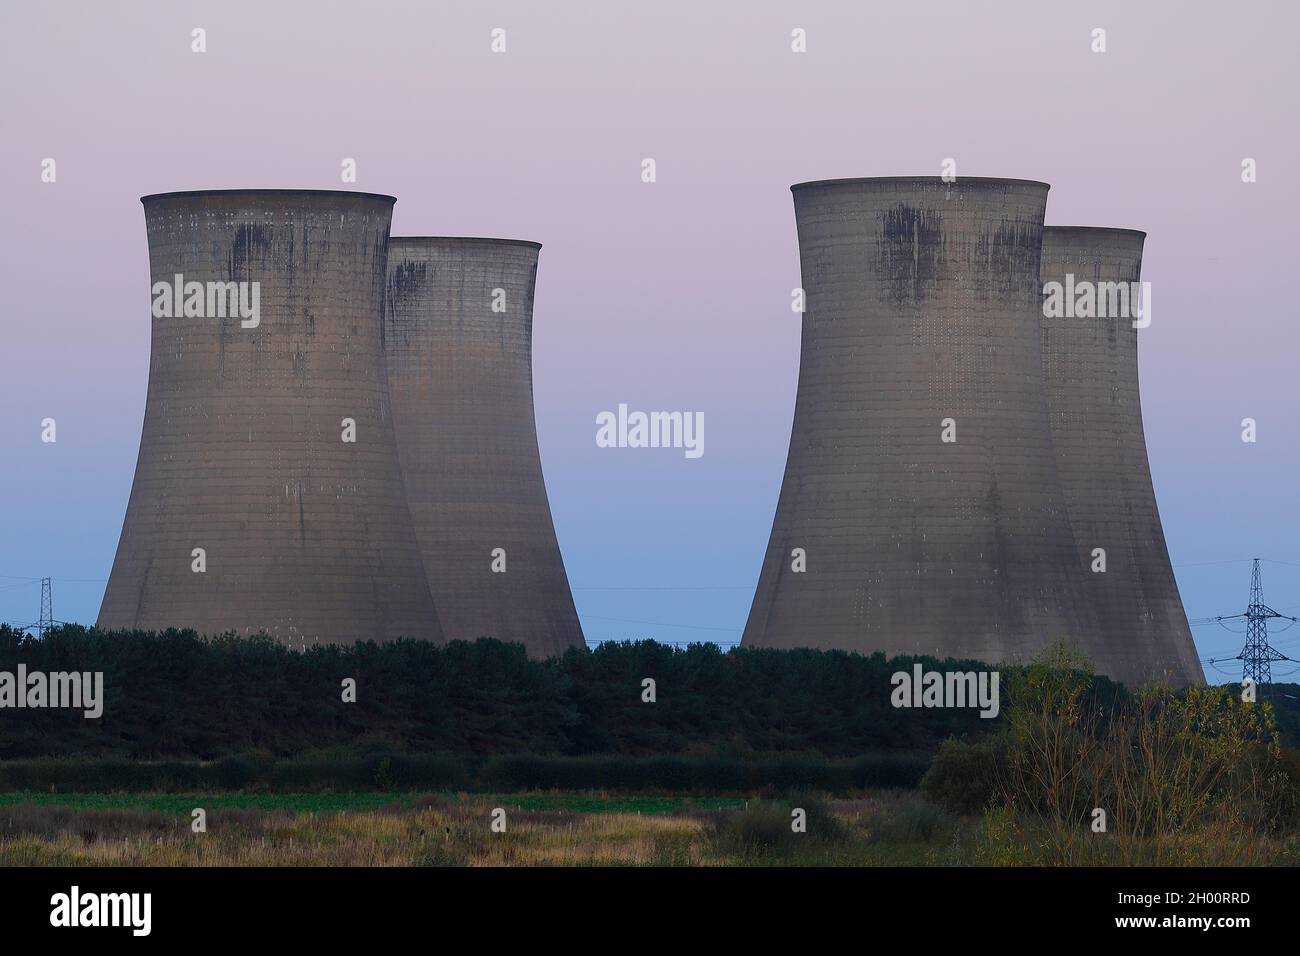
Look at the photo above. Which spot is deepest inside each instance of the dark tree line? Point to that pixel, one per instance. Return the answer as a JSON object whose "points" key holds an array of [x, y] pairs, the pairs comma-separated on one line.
{"points": [[174, 695]]}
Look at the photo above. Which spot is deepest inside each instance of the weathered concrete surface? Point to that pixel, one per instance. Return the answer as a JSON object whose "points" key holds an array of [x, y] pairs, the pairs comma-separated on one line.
{"points": [[922, 305], [461, 381], [1091, 366], [307, 537]]}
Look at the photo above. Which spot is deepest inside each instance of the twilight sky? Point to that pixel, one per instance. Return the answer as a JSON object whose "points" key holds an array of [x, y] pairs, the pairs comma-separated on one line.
{"points": [[671, 295]]}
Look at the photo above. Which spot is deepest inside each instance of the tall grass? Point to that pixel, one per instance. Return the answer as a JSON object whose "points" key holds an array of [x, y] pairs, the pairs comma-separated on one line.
{"points": [[454, 830]]}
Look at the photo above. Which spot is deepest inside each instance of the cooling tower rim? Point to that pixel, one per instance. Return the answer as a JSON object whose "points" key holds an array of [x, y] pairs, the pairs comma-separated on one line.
{"points": [[919, 181], [432, 239], [273, 193], [1095, 230]]}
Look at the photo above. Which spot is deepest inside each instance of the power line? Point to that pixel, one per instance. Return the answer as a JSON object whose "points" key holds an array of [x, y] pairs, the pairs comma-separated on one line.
{"points": [[1257, 656], [1207, 564], [722, 645], [45, 616]]}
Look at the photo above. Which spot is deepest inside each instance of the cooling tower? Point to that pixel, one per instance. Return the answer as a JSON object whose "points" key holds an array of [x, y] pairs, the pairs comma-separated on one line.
{"points": [[920, 495], [1091, 366], [458, 333], [268, 495]]}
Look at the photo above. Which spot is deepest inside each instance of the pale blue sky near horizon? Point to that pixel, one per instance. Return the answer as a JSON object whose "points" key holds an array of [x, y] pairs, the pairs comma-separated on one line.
{"points": [[672, 295]]}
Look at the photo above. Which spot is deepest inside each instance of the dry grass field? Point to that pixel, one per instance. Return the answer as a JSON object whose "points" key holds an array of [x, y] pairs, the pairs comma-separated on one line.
{"points": [[888, 827], [540, 829]]}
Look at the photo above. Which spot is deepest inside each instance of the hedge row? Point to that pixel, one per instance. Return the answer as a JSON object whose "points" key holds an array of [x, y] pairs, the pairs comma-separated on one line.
{"points": [[405, 771]]}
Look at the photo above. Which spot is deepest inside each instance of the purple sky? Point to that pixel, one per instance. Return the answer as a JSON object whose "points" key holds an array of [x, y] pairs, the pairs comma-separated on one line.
{"points": [[672, 295]]}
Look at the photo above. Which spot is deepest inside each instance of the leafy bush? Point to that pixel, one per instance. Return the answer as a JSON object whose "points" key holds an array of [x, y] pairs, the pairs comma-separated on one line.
{"points": [[1190, 776], [764, 828], [964, 776]]}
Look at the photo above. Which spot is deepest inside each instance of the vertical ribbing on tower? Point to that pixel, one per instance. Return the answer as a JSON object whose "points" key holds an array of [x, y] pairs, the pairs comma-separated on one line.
{"points": [[252, 507], [922, 303], [1091, 367], [458, 335]]}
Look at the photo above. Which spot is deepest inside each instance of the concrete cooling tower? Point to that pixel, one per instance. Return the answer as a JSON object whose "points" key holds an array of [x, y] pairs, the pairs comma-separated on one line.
{"points": [[920, 511], [1091, 367], [458, 333], [268, 494]]}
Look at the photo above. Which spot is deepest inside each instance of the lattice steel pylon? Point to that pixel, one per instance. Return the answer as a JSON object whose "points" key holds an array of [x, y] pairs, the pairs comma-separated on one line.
{"points": [[47, 608], [1257, 656]]}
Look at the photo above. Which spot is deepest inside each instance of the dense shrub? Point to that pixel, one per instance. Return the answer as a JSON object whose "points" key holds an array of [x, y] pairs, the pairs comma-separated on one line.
{"points": [[913, 822], [232, 773], [764, 828], [1154, 777], [408, 771], [964, 775], [751, 774]]}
